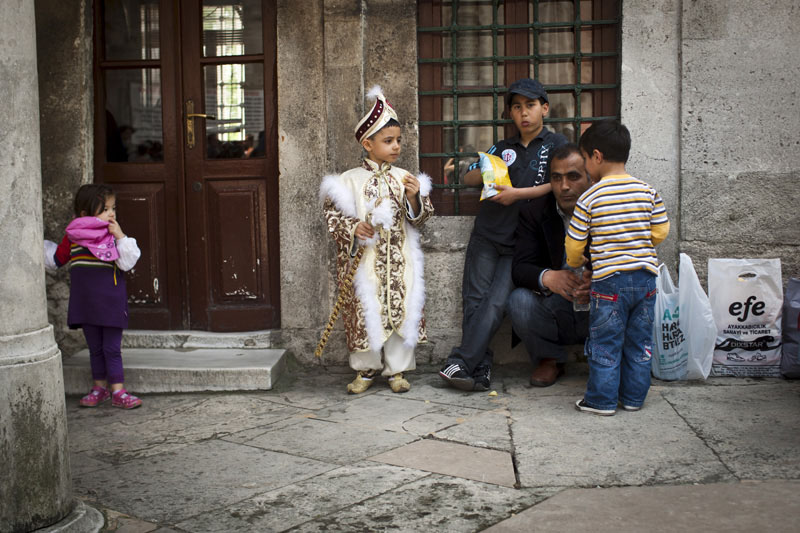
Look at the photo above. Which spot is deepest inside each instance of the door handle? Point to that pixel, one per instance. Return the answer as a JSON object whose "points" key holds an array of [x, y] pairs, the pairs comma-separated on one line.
{"points": [[190, 115]]}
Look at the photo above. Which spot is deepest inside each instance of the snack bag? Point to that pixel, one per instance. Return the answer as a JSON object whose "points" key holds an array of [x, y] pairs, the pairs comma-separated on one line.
{"points": [[494, 172]]}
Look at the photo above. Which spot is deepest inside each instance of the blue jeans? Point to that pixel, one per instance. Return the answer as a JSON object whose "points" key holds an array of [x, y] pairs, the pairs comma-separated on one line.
{"points": [[620, 341], [546, 324], [484, 292]]}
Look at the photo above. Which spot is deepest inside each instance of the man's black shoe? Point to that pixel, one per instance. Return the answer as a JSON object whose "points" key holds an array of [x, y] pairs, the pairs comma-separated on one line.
{"points": [[483, 378], [457, 376]]}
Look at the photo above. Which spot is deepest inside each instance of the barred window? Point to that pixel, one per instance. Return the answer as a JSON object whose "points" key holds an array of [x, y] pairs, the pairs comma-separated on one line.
{"points": [[471, 50]]}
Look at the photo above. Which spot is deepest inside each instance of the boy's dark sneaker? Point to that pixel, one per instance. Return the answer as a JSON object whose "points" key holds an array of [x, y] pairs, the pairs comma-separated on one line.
{"points": [[483, 378], [581, 405], [630, 407], [457, 376]]}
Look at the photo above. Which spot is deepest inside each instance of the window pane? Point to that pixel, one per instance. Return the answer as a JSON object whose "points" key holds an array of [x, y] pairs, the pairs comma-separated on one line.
{"points": [[133, 115], [562, 106], [234, 94], [232, 29], [131, 29]]}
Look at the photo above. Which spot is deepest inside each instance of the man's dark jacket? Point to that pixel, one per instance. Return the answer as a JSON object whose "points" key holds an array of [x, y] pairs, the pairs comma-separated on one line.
{"points": [[539, 242]]}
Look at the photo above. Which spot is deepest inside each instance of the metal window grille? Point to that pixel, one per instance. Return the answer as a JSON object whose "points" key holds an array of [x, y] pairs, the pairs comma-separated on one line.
{"points": [[469, 51]]}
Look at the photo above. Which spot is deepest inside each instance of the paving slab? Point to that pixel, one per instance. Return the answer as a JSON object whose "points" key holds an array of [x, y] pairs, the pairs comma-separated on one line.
{"points": [[294, 504], [556, 445], [737, 507], [122, 523], [573, 383], [166, 423], [185, 370], [433, 503], [313, 390], [399, 413], [486, 429], [81, 463], [330, 441], [457, 460], [755, 430], [171, 487]]}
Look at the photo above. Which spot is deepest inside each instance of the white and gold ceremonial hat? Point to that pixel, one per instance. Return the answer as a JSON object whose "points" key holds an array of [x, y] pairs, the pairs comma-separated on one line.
{"points": [[381, 113]]}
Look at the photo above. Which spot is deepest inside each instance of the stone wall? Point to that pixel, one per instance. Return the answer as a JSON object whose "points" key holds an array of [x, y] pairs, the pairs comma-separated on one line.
{"points": [[740, 117], [64, 54]]}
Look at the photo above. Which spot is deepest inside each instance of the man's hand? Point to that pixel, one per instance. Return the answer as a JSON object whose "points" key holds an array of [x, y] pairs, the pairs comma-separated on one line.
{"points": [[564, 283], [364, 231], [506, 196]]}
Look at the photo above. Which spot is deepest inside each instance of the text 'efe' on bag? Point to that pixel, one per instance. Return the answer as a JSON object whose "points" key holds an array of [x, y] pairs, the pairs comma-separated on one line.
{"points": [[746, 298]]}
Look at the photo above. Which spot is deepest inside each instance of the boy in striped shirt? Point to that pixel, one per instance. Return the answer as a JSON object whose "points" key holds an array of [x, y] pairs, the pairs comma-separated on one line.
{"points": [[625, 218]]}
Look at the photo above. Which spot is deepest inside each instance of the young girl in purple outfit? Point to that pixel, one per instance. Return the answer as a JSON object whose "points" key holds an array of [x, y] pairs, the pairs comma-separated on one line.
{"points": [[97, 252]]}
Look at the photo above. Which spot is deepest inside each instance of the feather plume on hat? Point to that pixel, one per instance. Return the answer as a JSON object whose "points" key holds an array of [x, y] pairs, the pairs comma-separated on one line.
{"points": [[377, 117]]}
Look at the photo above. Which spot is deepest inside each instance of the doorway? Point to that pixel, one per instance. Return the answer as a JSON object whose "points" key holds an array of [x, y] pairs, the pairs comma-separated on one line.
{"points": [[186, 134]]}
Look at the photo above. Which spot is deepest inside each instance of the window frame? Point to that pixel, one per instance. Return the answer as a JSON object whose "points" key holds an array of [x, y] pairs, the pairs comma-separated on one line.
{"points": [[518, 33]]}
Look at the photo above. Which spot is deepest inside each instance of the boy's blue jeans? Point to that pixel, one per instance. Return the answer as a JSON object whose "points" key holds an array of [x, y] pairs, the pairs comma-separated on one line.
{"points": [[620, 343]]}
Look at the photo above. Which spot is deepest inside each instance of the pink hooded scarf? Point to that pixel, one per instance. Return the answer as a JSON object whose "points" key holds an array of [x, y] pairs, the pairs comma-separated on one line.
{"points": [[92, 233]]}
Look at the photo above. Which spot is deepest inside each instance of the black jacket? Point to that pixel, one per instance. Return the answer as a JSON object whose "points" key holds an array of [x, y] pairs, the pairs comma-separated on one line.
{"points": [[539, 242]]}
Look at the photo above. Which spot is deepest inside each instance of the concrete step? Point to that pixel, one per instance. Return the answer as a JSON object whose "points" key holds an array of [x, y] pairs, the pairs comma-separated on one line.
{"points": [[142, 338], [185, 369]]}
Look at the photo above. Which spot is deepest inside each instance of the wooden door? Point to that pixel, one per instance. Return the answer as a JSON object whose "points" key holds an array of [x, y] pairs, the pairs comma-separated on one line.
{"points": [[186, 134]]}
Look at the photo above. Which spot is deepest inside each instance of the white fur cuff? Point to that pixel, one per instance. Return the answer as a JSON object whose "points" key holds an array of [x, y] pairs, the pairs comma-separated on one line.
{"points": [[424, 184]]}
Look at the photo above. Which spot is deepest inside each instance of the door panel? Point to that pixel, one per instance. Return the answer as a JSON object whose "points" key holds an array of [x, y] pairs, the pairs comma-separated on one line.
{"points": [[202, 204], [237, 247], [141, 207]]}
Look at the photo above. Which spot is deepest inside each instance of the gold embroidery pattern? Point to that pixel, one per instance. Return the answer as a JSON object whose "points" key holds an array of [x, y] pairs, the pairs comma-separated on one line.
{"points": [[388, 261]]}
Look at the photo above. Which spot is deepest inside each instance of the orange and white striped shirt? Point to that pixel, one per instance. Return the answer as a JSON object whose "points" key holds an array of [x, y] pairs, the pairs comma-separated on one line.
{"points": [[626, 218]]}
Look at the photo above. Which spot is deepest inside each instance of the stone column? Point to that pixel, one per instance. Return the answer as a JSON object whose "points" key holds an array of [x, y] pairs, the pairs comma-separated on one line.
{"points": [[35, 484]]}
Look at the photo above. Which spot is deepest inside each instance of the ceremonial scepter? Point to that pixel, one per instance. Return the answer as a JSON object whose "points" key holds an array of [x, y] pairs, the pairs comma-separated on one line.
{"points": [[344, 291]]}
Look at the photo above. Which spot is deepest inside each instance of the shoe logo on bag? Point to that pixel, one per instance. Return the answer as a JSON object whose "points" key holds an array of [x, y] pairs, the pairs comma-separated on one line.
{"points": [[739, 359], [751, 304], [761, 343]]}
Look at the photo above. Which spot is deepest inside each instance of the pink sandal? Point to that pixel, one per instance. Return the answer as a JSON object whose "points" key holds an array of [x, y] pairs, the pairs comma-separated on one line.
{"points": [[122, 399], [95, 397]]}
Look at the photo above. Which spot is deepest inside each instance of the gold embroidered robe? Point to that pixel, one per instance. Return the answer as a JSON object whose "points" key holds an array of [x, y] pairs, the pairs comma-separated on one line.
{"points": [[389, 289]]}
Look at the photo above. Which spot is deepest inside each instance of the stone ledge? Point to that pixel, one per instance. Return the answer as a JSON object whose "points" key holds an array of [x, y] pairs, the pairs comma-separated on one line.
{"points": [[185, 370], [197, 339]]}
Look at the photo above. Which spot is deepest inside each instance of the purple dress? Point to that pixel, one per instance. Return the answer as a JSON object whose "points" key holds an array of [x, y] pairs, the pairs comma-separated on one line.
{"points": [[97, 294]]}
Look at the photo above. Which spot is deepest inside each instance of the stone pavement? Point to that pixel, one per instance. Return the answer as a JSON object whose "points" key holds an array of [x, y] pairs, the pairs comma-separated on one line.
{"points": [[723, 455]]}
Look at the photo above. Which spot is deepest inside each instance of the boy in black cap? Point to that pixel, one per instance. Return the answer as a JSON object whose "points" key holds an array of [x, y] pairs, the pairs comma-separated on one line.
{"points": [[487, 267]]}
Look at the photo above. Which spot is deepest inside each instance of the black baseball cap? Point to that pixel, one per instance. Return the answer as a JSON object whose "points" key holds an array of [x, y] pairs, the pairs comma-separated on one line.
{"points": [[526, 87]]}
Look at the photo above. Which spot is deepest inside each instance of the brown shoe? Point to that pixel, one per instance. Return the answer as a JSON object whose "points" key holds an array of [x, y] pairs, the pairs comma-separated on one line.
{"points": [[547, 373]]}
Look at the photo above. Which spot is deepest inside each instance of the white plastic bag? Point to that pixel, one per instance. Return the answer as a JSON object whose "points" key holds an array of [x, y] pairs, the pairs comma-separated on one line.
{"points": [[684, 333], [746, 297], [669, 347], [697, 320]]}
